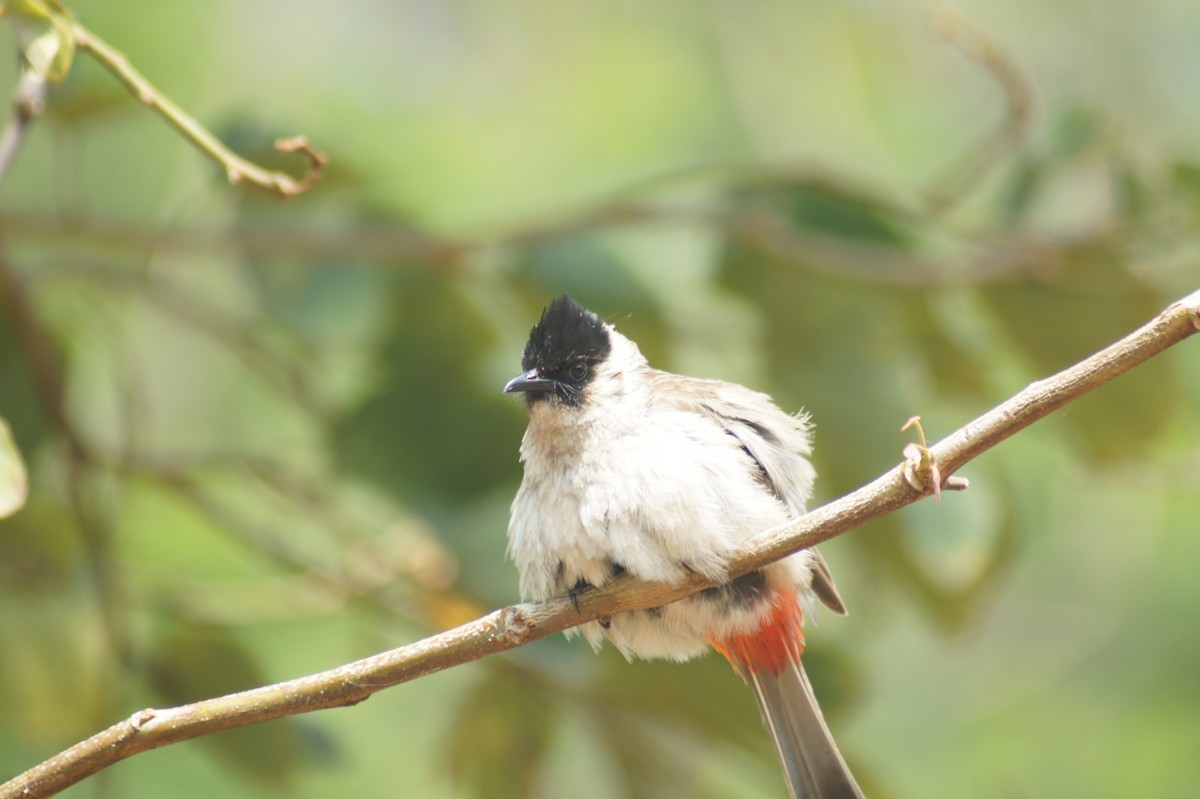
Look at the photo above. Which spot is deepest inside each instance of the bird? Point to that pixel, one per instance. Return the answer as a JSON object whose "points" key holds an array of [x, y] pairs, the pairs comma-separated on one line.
{"points": [[628, 469]]}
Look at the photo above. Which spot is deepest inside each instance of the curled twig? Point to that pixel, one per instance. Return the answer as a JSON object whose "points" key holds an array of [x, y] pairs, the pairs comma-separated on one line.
{"points": [[237, 169], [921, 470], [316, 160], [976, 45]]}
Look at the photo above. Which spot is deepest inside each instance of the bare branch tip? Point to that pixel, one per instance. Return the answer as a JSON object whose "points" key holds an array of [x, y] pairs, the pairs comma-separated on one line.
{"points": [[317, 162], [1189, 305], [945, 21]]}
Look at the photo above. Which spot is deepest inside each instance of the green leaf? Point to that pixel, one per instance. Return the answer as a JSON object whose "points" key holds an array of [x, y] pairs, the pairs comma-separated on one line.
{"points": [[45, 32], [39, 550], [839, 349], [1073, 133], [585, 268], [641, 748], [1019, 193], [197, 662], [835, 210], [1185, 179], [1091, 301], [840, 211], [1130, 190], [14, 483], [457, 449], [667, 691], [954, 366], [499, 737], [1184, 186], [951, 556], [596, 276]]}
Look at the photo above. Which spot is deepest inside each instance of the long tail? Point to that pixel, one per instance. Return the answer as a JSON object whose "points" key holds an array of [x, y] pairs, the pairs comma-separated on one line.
{"points": [[811, 761], [769, 660]]}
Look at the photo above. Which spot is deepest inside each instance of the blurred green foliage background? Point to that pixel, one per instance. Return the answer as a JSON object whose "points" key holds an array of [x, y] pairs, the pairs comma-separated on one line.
{"points": [[280, 442]]}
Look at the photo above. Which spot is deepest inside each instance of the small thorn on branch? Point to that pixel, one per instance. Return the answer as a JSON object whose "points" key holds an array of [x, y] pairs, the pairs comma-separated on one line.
{"points": [[137, 720]]}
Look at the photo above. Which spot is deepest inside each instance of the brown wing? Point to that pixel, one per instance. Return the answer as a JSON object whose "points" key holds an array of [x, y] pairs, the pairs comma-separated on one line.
{"points": [[774, 440], [822, 584]]}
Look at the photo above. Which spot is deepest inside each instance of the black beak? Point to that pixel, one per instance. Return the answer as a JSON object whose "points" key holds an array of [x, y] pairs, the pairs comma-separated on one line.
{"points": [[528, 382]]}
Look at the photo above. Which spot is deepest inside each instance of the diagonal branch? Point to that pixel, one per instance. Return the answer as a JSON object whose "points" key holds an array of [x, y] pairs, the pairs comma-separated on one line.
{"points": [[972, 167], [237, 169], [516, 625]]}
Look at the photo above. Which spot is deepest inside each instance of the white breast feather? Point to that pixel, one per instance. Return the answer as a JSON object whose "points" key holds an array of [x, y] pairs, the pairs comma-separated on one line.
{"points": [[670, 485]]}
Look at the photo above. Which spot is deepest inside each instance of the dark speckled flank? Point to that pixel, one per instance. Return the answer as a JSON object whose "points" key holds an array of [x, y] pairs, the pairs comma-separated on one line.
{"points": [[745, 590], [741, 592]]}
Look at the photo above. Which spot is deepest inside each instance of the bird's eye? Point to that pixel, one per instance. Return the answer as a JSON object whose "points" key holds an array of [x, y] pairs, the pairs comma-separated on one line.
{"points": [[578, 370]]}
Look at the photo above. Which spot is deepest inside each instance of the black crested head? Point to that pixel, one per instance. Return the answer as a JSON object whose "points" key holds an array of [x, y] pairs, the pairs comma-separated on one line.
{"points": [[566, 333], [565, 346]]}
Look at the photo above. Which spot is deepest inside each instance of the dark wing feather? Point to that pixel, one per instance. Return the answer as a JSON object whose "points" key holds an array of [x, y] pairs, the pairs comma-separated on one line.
{"points": [[777, 443]]}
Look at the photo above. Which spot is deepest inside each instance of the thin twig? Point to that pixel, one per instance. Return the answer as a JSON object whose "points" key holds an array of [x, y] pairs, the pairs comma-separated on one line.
{"points": [[998, 143], [28, 103], [515, 625], [39, 351], [391, 247], [237, 169], [45, 364]]}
